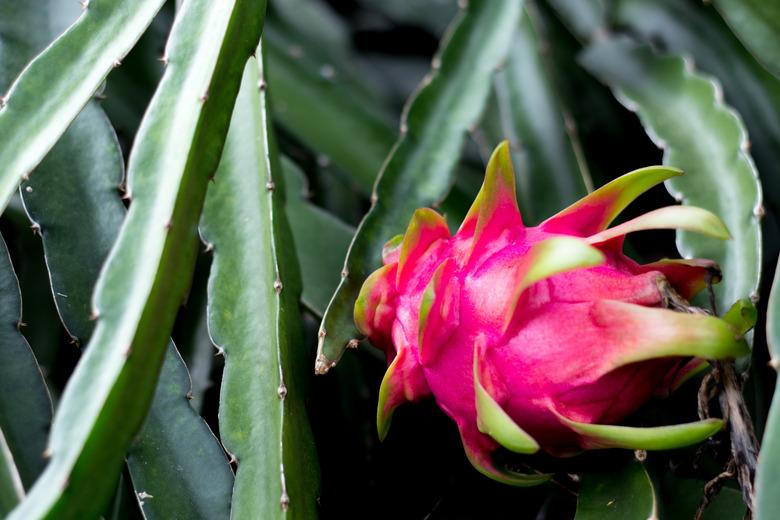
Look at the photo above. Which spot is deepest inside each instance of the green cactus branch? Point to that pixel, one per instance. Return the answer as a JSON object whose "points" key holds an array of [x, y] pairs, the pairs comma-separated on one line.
{"points": [[147, 275], [53, 89], [419, 171], [254, 320]]}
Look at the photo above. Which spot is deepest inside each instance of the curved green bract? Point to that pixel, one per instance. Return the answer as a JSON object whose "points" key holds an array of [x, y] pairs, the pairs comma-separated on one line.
{"points": [[601, 436], [254, 318], [627, 492], [742, 316], [684, 114], [54, 88], [25, 406], [768, 472], [420, 168], [552, 173], [757, 23], [688, 218], [147, 275], [321, 241], [494, 421]]}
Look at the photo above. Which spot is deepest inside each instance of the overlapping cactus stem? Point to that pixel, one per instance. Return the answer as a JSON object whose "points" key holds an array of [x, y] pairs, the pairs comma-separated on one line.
{"points": [[544, 337]]}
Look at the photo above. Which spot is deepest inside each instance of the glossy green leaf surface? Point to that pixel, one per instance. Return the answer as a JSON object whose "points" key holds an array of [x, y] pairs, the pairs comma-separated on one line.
{"points": [[419, 170], [321, 241], [684, 114], [697, 31], [148, 272], [624, 493], [53, 89], [552, 173], [25, 407], [757, 23], [254, 318], [768, 473], [681, 498]]}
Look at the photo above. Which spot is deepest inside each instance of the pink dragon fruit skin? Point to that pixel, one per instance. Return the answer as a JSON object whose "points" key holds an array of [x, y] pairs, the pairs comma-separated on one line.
{"points": [[542, 337]]}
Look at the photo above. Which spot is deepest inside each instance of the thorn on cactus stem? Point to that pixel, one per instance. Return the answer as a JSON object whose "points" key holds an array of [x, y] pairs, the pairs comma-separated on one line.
{"points": [[117, 63], [100, 97], [94, 315], [321, 334], [233, 459], [128, 351], [189, 395], [26, 176], [774, 363], [640, 455], [323, 161], [285, 501], [143, 495], [261, 85], [281, 391], [168, 225], [204, 97], [20, 324], [344, 273], [163, 59], [270, 185], [36, 229], [209, 247], [28, 189], [463, 4], [353, 343], [759, 211], [754, 297], [220, 352], [84, 4], [2, 102], [46, 453], [277, 285]]}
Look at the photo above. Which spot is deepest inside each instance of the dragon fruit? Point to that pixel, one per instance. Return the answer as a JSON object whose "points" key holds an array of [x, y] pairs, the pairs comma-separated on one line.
{"points": [[543, 337]]}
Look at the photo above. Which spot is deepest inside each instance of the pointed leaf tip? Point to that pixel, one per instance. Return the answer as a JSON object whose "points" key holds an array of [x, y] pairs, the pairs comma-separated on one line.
{"points": [[641, 333], [594, 212], [425, 228], [492, 420], [404, 381], [600, 436], [495, 207], [687, 218]]}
